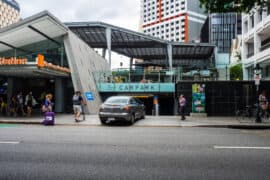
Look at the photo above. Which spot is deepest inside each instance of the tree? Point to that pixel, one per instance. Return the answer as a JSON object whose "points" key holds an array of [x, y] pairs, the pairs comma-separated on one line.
{"points": [[236, 72], [239, 6]]}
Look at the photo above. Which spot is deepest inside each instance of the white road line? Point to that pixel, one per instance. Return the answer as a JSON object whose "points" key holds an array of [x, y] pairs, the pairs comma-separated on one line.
{"points": [[241, 147], [9, 142]]}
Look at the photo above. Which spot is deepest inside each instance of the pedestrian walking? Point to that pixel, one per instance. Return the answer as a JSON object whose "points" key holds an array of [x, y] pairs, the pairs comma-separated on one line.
{"points": [[77, 105], [49, 117], [182, 106], [20, 103], [13, 106], [47, 107], [29, 103], [263, 102]]}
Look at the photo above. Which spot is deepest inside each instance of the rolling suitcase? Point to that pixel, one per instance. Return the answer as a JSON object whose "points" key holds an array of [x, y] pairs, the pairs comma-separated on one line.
{"points": [[49, 118]]}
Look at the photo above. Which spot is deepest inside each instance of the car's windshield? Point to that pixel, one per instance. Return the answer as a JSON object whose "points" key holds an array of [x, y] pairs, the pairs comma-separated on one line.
{"points": [[117, 100]]}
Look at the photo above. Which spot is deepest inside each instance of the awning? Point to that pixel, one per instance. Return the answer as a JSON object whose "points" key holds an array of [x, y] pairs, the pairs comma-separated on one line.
{"points": [[43, 26], [138, 45], [30, 71]]}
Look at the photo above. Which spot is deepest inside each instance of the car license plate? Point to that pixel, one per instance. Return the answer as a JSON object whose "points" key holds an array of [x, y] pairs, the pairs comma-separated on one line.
{"points": [[110, 119]]}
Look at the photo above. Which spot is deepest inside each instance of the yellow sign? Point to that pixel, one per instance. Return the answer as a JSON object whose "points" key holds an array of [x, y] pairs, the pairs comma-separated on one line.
{"points": [[13, 61]]}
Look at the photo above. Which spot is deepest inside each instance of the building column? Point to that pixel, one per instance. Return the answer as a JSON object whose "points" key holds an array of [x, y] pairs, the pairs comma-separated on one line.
{"points": [[245, 73], [10, 88], [104, 53], [170, 59], [109, 44], [175, 106], [130, 64], [59, 95], [62, 55], [257, 43]]}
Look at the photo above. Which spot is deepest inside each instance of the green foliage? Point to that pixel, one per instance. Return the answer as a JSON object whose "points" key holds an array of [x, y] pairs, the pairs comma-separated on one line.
{"points": [[224, 6], [236, 72]]}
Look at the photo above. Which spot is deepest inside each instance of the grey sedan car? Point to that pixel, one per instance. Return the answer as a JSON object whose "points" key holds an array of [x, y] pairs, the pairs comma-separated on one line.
{"points": [[121, 108]]}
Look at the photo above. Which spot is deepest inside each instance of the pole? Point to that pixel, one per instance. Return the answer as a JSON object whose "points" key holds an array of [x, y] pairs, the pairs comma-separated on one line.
{"points": [[258, 117]]}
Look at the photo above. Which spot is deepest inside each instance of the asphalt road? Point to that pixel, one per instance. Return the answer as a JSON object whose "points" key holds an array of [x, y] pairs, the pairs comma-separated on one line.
{"points": [[126, 152]]}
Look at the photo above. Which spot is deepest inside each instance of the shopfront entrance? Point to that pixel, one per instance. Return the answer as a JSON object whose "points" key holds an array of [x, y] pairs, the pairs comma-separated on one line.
{"points": [[60, 88]]}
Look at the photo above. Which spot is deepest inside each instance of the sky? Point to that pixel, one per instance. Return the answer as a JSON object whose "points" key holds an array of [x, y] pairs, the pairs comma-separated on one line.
{"points": [[123, 13]]}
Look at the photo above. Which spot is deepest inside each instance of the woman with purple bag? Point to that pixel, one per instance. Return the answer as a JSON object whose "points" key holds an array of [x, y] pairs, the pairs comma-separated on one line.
{"points": [[47, 108]]}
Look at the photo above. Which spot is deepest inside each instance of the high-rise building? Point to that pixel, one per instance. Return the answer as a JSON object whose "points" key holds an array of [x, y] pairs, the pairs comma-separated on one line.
{"points": [[220, 29], [173, 20], [9, 12], [256, 42]]}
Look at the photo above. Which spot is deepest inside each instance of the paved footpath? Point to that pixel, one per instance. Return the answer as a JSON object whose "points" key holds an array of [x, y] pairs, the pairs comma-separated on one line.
{"points": [[149, 121]]}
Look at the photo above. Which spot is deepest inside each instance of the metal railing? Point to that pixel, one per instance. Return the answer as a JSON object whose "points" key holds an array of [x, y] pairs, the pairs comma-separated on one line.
{"points": [[123, 75]]}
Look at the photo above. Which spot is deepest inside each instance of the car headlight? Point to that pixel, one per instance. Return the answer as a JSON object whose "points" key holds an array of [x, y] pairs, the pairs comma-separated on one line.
{"points": [[101, 107]]}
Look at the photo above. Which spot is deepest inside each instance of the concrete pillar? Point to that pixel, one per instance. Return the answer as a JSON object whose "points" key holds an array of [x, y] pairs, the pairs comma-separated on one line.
{"points": [[245, 72], [175, 106], [103, 52], [10, 89], [109, 44], [264, 14], [59, 95], [257, 43], [62, 55], [130, 64]]}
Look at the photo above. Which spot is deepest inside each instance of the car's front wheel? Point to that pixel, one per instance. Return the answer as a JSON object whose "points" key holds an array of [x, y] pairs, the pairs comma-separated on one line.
{"points": [[103, 121], [132, 119]]}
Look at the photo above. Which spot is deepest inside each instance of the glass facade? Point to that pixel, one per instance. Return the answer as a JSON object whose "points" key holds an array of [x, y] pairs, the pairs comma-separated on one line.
{"points": [[13, 3], [53, 52], [223, 30]]}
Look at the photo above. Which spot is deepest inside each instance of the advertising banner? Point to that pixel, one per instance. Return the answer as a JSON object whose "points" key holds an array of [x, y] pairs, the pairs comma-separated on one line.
{"points": [[198, 98]]}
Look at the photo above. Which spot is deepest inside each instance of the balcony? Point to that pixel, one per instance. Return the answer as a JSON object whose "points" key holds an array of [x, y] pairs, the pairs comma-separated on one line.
{"points": [[265, 46]]}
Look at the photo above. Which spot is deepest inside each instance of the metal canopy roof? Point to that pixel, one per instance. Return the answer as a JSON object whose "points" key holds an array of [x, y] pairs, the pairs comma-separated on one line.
{"points": [[22, 35], [30, 71], [138, 45], [42, 26]]}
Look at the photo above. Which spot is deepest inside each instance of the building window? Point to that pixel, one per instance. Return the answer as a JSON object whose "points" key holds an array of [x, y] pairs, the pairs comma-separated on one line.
{"points": [[260, 15], [252, 21]]}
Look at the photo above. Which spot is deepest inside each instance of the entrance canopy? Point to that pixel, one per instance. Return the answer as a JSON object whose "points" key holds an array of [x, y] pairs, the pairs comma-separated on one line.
{"points": [[30, 71], [27, 38], [137, 45], [37, 28]]}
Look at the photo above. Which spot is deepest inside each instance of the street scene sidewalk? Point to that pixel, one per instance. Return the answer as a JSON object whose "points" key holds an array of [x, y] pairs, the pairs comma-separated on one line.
{"points": [[149, 121]]}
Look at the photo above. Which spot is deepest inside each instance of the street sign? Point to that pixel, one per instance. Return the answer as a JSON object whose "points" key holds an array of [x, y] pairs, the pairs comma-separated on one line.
{"points": [[89, 96]]}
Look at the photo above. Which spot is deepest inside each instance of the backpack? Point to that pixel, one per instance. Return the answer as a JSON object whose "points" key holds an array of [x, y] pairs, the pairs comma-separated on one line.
{"points": [[76, 100]]}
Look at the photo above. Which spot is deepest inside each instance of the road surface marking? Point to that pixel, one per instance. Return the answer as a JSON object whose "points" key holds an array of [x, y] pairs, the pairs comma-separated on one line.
{"points": [[241, 147], [8, 125], [9, 142]]}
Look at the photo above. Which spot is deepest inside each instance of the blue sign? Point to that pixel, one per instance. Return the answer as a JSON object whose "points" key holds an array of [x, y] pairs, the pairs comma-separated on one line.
{"points": [[89, 96]]}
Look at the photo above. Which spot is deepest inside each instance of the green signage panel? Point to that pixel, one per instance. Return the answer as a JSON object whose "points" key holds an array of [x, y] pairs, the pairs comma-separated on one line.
{"points": [[136, 87], [198, 98]]}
